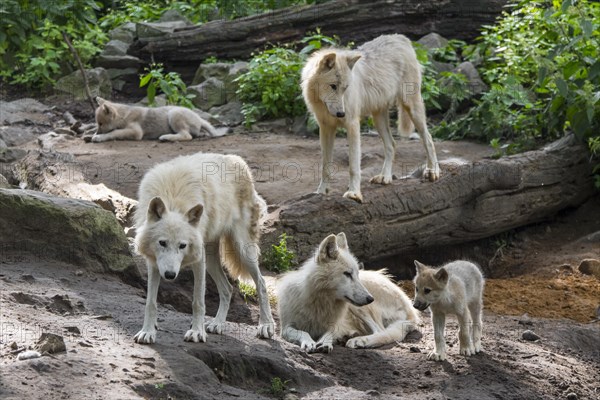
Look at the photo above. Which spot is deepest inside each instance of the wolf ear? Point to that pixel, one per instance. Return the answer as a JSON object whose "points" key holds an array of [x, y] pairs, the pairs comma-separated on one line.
{"points": [[442, 275], [419, 266], [328, 249], [156, 209], [100, 100], [352, 59], [106, 108], [328, 61], [194, 214], [341, 241]]}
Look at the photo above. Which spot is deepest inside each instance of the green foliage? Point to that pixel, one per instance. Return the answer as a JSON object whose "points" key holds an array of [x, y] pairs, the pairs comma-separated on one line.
{"points": [[542, 62], [247, 290], [270, 87], [32, 49], [170, 84], [279, 259], [594, 144], [278, 386]]}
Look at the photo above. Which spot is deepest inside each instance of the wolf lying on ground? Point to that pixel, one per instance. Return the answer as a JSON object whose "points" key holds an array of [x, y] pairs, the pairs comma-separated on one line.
{"points": [[341, 86], [456, 288], [169, 123], [329, 299], [196, 211]]}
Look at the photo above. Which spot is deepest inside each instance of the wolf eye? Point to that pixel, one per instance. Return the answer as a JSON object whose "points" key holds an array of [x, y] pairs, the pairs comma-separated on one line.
{"points": [[163, 243], [333, 86], [427, 290], [348, 274], [182, 245]]}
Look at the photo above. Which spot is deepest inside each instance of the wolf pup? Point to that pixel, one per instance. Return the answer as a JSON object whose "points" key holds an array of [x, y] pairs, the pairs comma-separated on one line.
{"points": [[193, 212], [329, 299], [341, 86], [456, 288], [169, 123]]}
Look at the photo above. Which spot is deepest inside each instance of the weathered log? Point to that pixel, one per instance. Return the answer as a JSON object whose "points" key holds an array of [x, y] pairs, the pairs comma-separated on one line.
{"points": [[471, 201], [351, 20]]}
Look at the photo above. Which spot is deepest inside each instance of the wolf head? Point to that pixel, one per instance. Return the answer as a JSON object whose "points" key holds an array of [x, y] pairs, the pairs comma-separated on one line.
{"points": [[170, 239], [107, 117], [338, 271], [332, 79], [430, 284]]}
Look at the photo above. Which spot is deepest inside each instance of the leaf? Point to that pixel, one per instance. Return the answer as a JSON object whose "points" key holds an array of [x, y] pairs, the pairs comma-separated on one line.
{"points": [[587, 27], [144, 81], [562, 87]]}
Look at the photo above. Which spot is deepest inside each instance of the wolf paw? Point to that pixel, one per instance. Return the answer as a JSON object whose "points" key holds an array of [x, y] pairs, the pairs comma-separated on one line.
{"points": [[324, 347], [358, 343], [467, 351], [195, 336], [215, 327], [145, 336], [432, 174], [436, 356], [381, 179], [322, 189], [98, 138], [356, 196], [308, 346], [266, 331]]}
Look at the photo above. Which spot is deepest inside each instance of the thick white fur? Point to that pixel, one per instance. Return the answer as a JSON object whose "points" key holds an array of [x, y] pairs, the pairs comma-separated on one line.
{"points": [[455, 288], [170, 123], [381, 74], [320, 303], [198, 211]]}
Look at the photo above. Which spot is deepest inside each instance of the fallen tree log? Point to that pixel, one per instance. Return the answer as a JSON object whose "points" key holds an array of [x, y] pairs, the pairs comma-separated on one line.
{"points": [[351, 20], [471, 201]]}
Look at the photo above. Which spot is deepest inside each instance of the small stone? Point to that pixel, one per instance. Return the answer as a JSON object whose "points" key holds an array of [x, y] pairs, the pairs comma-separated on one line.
{"points": [[414, 349], [427, 373], [51, 343], [79, 273], [396, 372], [373, 392], [590, 266], [530, 336], [572, 396], [290, 396], [14, 346], [525, 320]]}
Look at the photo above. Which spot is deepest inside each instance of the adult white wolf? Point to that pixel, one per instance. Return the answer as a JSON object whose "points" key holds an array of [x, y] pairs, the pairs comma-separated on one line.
{"points": [[330, 299], [168, 124], [341, 86], [197, 211]]}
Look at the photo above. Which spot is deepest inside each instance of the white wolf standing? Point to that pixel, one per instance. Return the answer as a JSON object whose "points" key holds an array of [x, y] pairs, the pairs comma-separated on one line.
{"points": [[329, 299], [169, 123], [341, 86], [195, 211], [455, 288]]}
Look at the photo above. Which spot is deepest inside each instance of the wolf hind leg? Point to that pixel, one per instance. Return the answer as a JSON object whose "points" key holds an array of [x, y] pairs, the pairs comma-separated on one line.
{"points": [[382, 124], [395, 332], [475, 309], [180, 136]]}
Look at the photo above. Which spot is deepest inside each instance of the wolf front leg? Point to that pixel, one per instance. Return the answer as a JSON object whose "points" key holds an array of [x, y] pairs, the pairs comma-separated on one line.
{"points": [[327, 138], [325, 343], [300, 338], [439, 324], [148, 333], [133, 132], [353, 128], [197, 332]]}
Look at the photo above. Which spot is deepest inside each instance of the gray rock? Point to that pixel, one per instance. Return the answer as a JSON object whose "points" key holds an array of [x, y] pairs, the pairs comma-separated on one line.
{"points": [[147, 30], [572, 396], [75, 231], [115, 48], [4, 182], [23, 110], [442, 66], [229, 114], [119, 62], [476, 85], [530, 336], [174, 15], [115, 73], [2, 142], [12, 154], [209, 93], [211, 70], [51, 344], [125, 33], [237, 69], [433, 41], [15, 135], [98, 81], [159, 101]]}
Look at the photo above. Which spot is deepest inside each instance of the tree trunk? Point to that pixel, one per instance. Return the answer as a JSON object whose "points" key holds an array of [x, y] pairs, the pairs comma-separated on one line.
{"points": [[351, 20], [469, 202]]}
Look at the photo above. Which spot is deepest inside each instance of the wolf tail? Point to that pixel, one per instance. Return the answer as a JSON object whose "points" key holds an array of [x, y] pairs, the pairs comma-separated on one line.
{"points": [[240, 249], [405, 124]]}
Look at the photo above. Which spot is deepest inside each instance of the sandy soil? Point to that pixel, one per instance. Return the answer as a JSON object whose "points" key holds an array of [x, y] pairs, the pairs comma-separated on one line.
{"points": [[530, 287]]}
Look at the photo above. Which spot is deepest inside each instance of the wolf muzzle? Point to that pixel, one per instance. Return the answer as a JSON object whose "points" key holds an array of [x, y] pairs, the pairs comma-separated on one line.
{"points": [[420, 305]]}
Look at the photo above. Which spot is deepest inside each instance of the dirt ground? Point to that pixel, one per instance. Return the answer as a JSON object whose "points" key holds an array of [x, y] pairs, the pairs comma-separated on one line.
{"points": [[533, 283]]}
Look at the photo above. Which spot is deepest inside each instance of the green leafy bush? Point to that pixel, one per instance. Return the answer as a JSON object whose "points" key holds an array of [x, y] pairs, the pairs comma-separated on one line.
{"points": [[279, 259], [542, 62], [170, 84], [32, 48]]}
